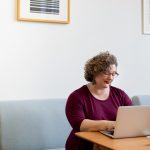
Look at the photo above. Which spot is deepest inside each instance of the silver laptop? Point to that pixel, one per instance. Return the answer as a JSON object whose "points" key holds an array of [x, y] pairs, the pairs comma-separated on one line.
{"points": [[131, 121]]}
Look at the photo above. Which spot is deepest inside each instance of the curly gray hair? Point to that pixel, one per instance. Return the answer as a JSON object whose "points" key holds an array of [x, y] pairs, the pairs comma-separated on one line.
{"points": [[99, 63]]}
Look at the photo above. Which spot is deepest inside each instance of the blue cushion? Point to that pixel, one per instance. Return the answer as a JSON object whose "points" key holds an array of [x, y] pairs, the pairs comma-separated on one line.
{"points": [[33, 124], [56, 149], [141, 100]]}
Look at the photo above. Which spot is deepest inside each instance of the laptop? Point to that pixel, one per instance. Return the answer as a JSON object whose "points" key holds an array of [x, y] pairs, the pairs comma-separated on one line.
{"points": [[131, 121]]}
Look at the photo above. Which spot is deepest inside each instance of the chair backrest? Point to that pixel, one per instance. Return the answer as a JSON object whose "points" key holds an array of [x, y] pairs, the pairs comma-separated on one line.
{"points": [[141, 100], [33, 124]]}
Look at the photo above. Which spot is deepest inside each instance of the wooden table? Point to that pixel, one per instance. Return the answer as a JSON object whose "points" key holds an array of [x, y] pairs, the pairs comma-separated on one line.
{"points": [[102, 142]]}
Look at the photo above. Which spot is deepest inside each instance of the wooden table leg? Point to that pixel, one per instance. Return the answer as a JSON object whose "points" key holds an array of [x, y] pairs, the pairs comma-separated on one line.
{"points": [[95, 147]]}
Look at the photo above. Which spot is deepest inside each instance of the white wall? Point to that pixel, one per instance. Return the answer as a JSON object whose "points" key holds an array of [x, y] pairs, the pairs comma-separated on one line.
{"points": [[43, 60]]}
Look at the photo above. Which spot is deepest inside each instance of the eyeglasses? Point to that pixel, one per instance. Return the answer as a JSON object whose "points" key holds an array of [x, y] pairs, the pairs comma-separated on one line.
{"points": [[114, 74]]}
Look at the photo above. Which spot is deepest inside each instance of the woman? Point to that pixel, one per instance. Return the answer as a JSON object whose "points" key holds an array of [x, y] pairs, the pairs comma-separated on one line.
{"points": [[93, 107]]}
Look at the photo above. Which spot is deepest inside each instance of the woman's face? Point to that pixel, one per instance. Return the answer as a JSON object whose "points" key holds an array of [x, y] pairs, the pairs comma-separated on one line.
{"points": [[103, 80]]}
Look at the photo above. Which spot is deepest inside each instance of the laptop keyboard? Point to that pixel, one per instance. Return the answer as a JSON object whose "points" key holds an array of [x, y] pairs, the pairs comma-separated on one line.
{"points": [[110, 132]]}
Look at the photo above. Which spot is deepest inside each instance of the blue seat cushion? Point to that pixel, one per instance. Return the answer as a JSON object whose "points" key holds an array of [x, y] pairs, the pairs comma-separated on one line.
{"points": [[56, 149]]}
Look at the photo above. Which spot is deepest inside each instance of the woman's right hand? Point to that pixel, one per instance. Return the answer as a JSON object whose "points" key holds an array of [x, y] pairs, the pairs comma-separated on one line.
{"points": [[107, 125]]}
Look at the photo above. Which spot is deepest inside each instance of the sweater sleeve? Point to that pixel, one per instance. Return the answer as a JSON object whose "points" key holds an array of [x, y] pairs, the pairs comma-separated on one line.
{"points": [[126, 100], [75, 111]]}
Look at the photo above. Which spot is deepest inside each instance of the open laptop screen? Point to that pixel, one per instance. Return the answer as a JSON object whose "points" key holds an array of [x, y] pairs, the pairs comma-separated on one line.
{"points": [[132, 121]]}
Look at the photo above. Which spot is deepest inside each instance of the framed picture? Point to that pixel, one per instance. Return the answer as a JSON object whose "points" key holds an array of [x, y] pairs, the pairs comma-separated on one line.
{"points": [[146, 16], [52, 11]]}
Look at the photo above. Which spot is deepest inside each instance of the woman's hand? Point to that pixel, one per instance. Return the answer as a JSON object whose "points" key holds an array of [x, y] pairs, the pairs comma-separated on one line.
{"points": [[107, 125]]}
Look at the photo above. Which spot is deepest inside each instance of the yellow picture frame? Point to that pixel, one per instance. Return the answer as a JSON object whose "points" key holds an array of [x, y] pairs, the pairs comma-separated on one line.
{"points": [[50, 11]]}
